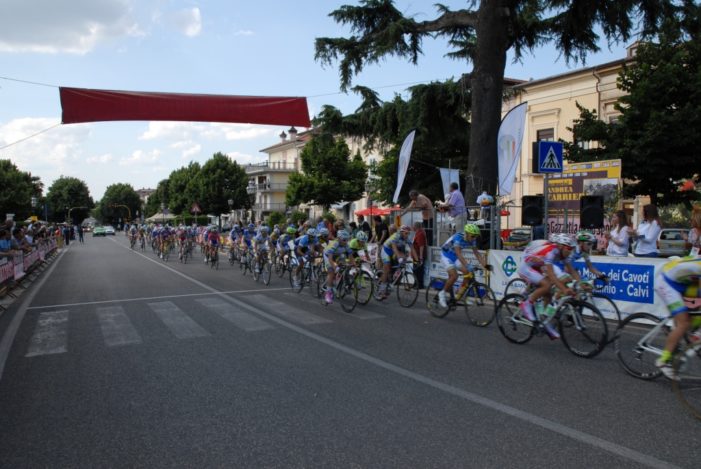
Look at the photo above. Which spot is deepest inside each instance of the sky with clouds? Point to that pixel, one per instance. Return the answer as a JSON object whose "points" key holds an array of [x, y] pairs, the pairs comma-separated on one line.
{"points": [[263, 48]]}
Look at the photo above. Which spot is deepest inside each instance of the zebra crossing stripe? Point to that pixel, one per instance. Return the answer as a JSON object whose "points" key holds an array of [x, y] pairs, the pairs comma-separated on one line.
{"points": [[50, 335], [179, 323], [293, 314], [238, 318], [117, 329]]}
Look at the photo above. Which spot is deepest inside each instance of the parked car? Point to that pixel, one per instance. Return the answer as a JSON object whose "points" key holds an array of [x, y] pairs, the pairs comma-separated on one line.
{"points": [[98, 231], [109, 230], [672, 242]]}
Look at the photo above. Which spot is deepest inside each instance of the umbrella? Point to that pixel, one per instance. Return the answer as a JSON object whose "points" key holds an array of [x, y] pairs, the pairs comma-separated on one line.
{"points": [[370, 211]]}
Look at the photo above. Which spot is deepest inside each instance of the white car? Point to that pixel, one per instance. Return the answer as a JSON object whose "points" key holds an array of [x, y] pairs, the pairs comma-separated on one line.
{"points": [[109, 230]]}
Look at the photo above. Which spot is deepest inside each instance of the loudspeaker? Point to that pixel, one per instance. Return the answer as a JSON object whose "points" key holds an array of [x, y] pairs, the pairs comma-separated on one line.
{"points": [[532, 210], [591, 211]]}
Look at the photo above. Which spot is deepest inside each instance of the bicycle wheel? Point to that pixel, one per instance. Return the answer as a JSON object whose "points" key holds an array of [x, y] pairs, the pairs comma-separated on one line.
{"points": [[365, 286], [297, 279], [434, 287], [582, 328], [516, 285], [407, 293], [515, 328], [214, 261], [346, 292], [687, 364], [266, 272], [636, 352], [610, 312], [480, 304]]}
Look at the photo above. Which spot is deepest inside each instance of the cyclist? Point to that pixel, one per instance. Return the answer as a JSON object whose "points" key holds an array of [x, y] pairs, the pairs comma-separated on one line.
{"points": [[453, 260], [261, 244], [323, 238], [283, 242], [305, 248], [678, 278], [394, 251], [359, 245], [539, 268], [585, 242], [336, 251], [213, 241]]}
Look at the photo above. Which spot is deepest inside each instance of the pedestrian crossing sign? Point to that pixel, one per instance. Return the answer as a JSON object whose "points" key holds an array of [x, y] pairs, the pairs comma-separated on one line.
{"points": [[549, 157]]}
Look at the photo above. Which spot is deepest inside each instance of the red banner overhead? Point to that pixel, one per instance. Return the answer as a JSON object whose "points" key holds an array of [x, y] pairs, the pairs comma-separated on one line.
{"points": [[86, 105]]}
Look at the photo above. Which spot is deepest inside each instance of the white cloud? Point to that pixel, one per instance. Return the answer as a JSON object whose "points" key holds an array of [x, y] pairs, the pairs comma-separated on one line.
{"points": [[141, 158], [192, 131], [244, 159], [76, 27], [188, 22], [188, 149], [100, 159]]}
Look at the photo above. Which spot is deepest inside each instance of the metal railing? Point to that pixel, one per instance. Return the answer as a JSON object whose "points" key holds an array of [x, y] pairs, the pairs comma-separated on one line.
{"points": [[273, 166]]}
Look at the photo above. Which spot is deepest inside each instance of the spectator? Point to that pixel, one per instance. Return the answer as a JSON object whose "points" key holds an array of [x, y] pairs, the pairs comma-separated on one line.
{"points": [[19, 241], [485, 201], [618, 238], [693, 242], [80, 233], [423, 203], [455, 204], [66, 234], [420, 247], [381, 231], [353, 229], [647, 233], [365, 226], [6, 244]]}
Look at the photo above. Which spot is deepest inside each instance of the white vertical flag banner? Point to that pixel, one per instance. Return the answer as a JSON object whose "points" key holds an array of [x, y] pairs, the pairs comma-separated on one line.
{"points": [[404, 156], [447, 176], [509, 146]]}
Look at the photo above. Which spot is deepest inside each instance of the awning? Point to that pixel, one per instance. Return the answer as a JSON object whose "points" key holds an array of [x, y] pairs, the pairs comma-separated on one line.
{"points": [[87, 105], [339, 206], [371, 211]]}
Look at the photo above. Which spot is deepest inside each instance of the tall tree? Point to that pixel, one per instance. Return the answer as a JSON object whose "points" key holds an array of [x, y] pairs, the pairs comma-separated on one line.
{"points": [[329, 175], [484, 36], [119, 203], [18, 188], [219, 181], [656, 136], [182, 187], [69, 194], [158, 198]]}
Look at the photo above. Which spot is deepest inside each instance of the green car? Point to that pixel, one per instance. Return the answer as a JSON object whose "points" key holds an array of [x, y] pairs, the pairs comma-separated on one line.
{"points": [[98, 231]]}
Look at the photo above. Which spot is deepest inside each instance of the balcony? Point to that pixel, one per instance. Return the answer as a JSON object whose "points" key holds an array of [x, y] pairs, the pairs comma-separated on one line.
{"points": [[269, 207], [267, 166]]}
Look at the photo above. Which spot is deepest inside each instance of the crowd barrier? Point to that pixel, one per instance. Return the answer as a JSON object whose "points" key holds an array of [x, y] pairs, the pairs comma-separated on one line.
{"points": [[14, 269]]}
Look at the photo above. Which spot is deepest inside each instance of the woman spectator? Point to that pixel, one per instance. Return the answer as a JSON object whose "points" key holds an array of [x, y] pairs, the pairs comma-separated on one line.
{"points": [[693, 242], [647, 233], [618, 238]]}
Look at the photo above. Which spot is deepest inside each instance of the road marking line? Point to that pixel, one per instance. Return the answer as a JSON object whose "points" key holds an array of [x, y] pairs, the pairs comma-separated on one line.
{"points": [[582, 437], [151, 298], [179, 323], [50, 335], [117, 329], [246, 321], [293, 314]]}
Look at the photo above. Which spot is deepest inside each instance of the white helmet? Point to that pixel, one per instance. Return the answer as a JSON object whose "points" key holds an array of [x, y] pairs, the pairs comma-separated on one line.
{"points": [[564, 239]]}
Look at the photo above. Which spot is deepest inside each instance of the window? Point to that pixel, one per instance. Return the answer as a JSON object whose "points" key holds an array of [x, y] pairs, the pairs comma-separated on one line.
{"points": [[546, 134]]}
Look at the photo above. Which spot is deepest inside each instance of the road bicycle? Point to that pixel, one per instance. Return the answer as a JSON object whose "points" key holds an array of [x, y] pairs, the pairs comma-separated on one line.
{"points": [[594, 295], [345, 289], [308, 277], [246, 261], [142, 243], [476, 298], [402, 280], [214, 257], [581, 325], [132, 241], [262, 268], [640, 341]]}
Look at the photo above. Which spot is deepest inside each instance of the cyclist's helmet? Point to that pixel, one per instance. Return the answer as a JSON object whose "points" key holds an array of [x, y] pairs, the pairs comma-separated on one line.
{"points": [[312, 232], [472, 229], [405, 228], [586, 236], [251, 226], [236, 227], [323, 232], [291, 230], [362, 237], [343, 235], [213, 229], [264, 229], [276, 230], [564, 239]]}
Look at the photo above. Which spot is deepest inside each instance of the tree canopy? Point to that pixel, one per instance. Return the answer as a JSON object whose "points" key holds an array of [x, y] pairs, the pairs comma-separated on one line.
{"points": [[483, 36], [18, 188], [68, 193], [656, 136], [119, 204], [329, 175], [219, 181]]}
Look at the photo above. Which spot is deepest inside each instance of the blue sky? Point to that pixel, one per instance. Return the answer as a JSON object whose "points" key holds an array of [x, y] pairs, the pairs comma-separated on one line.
{"points": [[262, 48]]}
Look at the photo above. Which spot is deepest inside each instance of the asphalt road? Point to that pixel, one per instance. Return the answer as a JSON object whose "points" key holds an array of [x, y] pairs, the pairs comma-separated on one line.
{"points": [[118, 359]]}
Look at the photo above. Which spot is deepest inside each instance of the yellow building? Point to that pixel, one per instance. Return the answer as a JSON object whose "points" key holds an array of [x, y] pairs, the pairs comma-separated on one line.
{"points": [[552, 109]]}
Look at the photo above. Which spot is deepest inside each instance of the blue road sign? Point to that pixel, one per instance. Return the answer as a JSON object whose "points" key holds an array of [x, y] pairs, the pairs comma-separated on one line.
{"points": [[549, 157]]}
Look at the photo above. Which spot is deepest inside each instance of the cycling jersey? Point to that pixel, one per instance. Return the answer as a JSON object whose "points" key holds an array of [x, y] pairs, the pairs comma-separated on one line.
{"points": [[335, 249], [541, 252], [457, 240], [395, 240], [356, 245], [679, 278]]}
